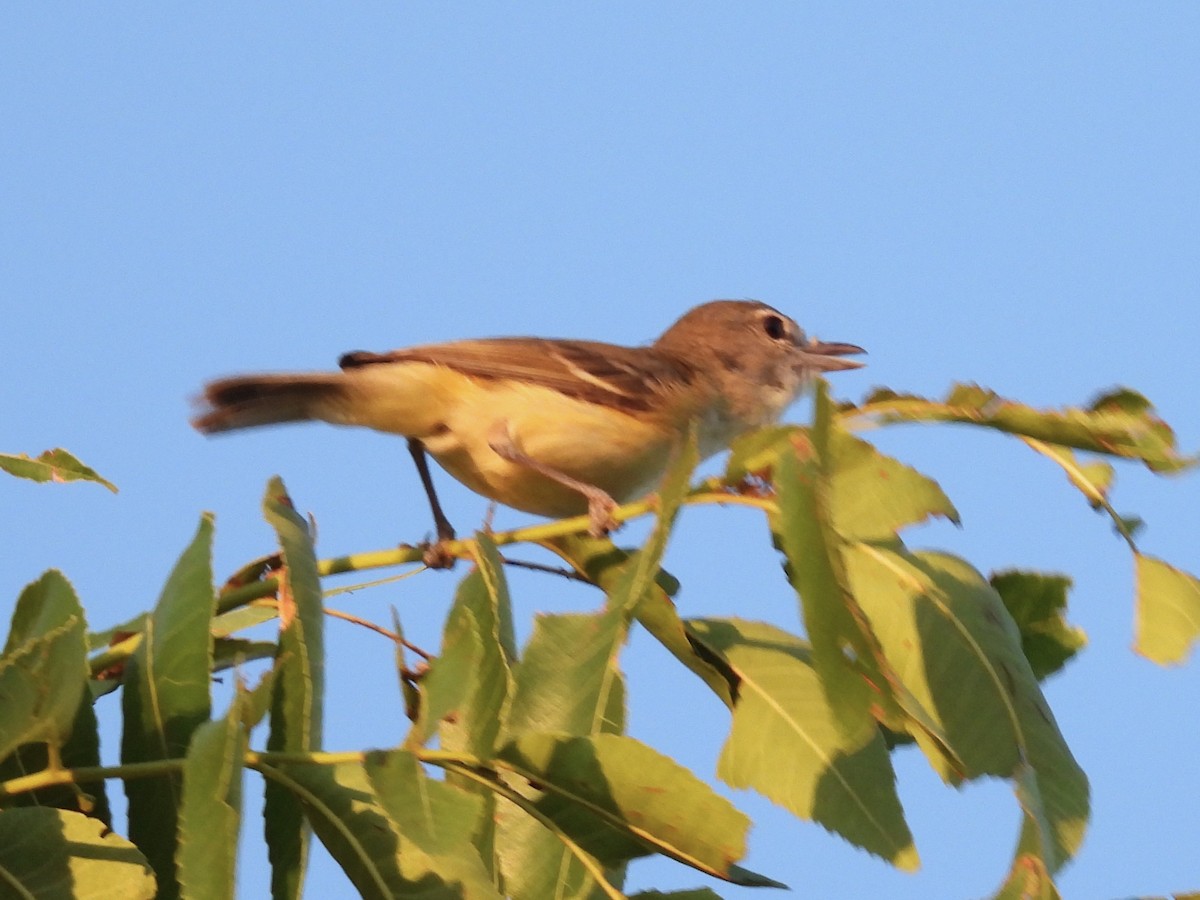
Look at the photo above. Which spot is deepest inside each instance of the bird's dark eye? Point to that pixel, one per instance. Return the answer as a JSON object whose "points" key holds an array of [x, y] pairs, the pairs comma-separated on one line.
{"points": [[774, 327]]}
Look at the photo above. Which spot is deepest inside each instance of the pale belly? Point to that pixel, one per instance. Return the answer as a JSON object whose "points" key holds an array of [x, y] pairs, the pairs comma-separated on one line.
{"points": [[455, 418]]}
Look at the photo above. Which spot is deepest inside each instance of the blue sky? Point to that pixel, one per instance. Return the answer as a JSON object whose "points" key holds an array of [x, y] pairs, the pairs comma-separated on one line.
{"points": [[1005, 194]]}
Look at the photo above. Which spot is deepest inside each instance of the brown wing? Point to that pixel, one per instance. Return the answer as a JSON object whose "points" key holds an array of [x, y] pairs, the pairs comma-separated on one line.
{"points": [[629, 378]]}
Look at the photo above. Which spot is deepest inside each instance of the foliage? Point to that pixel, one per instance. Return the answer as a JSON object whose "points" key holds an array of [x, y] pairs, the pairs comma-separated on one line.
{"points": [[542, 793]]}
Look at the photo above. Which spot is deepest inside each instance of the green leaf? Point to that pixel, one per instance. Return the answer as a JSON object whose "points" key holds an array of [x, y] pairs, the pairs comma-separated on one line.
{"points": [[442, 821], [377, 854], [873, 496], [256, 702], [1038, 603], [211, 815], [52, 854], [603, 564], [1030, 877], [620, 799], [82, 750], [1121, 423], [43, 669], [1094, 480], [568, 682], [638, 578], [804, 531], [53, 465], [299, 687], [643, 569], [232, 652], [1122, 399], [1168, 611], [785, 743], [410, 691], [870, 496], [491, 569], [438, 818], [947, 630], [454, 673], [166, 698], [469, 686]]}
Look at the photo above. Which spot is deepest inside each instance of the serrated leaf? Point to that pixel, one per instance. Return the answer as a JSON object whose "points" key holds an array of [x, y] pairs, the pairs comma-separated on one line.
{"points": [[1037, 602], [299, 686], [803, 530], [870, 495], [451, 823], [211, 814], [1168, 611], [785, 742], [52, 853], [567, 682], [53, 465], [491, 569], [1119, 425], [873, 496], [620, 799], [947, 633], [381, 860], [439, 818], [166, 697], [81, 750], [453, 673], [469, 687], [602, 564], [43, 669]]}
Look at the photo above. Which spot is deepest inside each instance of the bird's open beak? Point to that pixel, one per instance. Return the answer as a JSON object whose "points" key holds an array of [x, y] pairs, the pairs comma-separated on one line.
{"points": [[829, 357]]}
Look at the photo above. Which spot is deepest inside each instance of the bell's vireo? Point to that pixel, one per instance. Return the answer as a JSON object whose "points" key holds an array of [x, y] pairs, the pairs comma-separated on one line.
{"points": [[553, 427]]}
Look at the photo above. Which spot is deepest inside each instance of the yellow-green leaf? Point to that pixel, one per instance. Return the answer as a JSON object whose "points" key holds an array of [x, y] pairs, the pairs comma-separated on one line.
{"points": [[43, 669], [53, 853], [1168, 611], [620, 799], [299, 685], [946, 631], [1037, 601], [166, 698], [53, 465], [785, 742]]}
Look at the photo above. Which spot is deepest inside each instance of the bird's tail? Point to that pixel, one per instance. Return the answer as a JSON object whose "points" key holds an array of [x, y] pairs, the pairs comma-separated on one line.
{"points": [[248, 401]]}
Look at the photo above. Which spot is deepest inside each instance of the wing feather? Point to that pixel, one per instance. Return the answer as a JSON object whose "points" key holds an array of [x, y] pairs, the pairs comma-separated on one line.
{"points": [[626, 377]]}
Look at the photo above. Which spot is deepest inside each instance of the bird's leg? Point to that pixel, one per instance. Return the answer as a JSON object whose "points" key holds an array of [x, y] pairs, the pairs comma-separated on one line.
{"points": [[600, 504], [435, 555]]}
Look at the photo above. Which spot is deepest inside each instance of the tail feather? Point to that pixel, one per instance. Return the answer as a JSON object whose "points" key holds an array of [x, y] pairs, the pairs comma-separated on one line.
{"points": [[249, 401]]}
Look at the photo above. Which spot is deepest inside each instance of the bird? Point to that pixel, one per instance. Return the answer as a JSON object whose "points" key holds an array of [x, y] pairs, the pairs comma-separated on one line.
{"points": [[553, 427]]}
